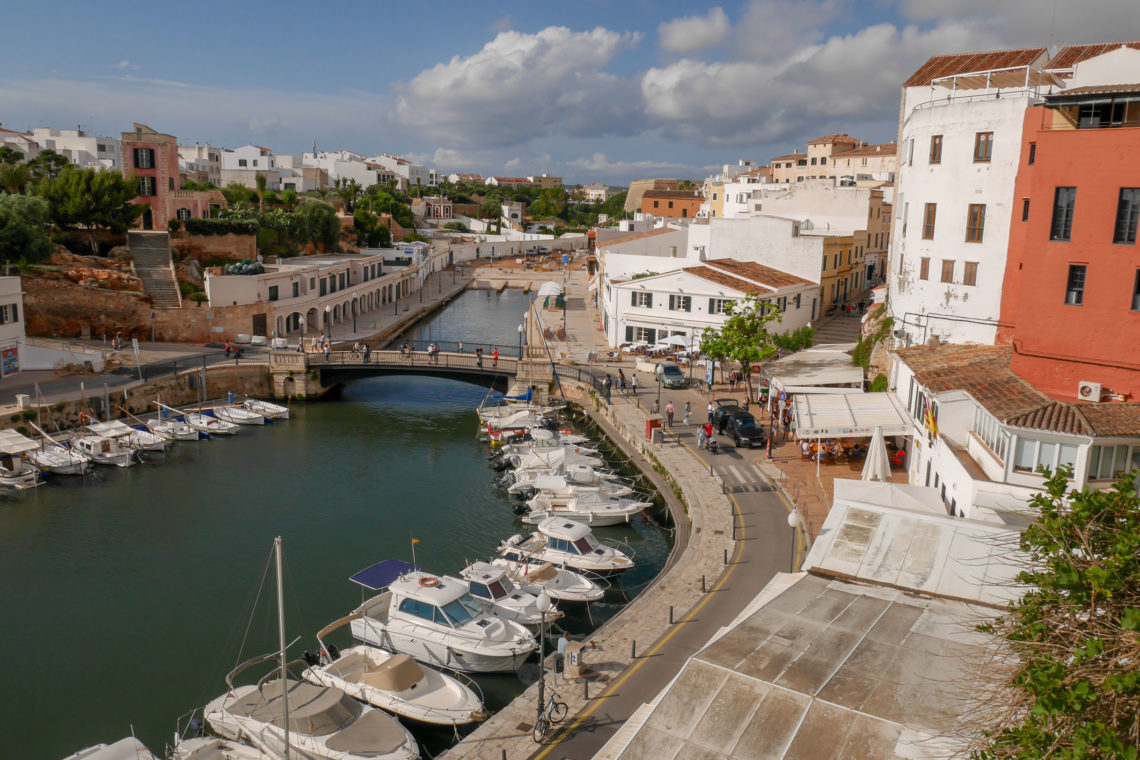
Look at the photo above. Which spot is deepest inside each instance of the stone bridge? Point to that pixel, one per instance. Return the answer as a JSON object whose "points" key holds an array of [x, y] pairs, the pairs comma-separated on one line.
{"points": [[310, 374]]}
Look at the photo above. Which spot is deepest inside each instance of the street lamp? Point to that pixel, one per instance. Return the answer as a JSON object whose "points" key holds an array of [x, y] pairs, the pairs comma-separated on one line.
{"points": [[796, 523], [543, 608], [522, 329], [328, 321]]}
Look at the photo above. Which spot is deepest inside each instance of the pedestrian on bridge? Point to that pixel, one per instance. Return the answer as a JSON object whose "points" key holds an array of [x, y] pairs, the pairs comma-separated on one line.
{"points": [[367, 354], [495, 359]]}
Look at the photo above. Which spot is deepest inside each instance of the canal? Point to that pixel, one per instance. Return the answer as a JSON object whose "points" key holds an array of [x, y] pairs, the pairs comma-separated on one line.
{"points": [[127, 593]]}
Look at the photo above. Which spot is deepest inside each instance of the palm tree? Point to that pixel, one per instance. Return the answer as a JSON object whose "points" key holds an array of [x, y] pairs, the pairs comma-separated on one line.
{"points": [[13, 177], [262, 183]]}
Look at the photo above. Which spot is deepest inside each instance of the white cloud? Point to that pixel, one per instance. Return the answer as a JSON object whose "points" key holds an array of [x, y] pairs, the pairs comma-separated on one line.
{"points": [[773, 30], [692, 33], [125, 64], [1033, 23], [503, 24], [599, 162], [522, 86], [513, 163]]}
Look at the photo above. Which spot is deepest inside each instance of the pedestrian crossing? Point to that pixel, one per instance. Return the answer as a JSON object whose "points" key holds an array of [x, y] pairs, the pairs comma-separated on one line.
{"points": [[743, 478]]}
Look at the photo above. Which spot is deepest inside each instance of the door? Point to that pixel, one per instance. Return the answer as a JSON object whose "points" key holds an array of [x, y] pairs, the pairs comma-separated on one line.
{"points": [[260, 324], [148, 220]]}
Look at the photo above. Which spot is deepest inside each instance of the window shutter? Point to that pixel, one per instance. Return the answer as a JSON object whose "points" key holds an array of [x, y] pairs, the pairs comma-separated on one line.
{"points": [[649, 300], [136, 154], [712, 306], [651, 334], [629, 334], [672, 302], [15, 313], [688, 304], [633, 299]]}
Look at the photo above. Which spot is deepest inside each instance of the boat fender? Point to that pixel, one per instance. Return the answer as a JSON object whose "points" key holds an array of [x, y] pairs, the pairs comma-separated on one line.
{"points": [[514, 540], [429, 582]]}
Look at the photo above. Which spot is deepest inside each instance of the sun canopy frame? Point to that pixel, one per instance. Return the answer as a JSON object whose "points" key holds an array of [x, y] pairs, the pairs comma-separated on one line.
{"points": [[850, 415], [382, 574]]}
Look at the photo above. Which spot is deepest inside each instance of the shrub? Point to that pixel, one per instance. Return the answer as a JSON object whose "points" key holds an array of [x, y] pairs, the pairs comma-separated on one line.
{"points": [[199, 297], [796, 340], [221, 227], [174, 225], [880, 384], [187, 288]]}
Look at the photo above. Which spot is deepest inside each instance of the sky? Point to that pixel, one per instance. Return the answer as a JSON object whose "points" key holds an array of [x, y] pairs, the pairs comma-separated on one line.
{"points": [[591, 90]]}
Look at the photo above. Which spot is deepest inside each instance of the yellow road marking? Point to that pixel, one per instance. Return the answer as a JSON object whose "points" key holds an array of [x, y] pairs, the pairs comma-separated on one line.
{"points": [[645, 657]]}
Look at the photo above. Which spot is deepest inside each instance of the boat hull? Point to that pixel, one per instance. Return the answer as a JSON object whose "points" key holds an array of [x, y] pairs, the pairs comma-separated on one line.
{"points": [[457, 656]]}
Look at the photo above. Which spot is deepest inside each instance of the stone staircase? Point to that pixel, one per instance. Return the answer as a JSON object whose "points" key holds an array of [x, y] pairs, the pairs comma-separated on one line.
{"points": [[838, 329], [154, 266]]}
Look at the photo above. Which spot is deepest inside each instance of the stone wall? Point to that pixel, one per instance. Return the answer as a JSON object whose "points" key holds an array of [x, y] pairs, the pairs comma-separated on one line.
{"points": [[60, 307], [205, 248], [191, 323]]}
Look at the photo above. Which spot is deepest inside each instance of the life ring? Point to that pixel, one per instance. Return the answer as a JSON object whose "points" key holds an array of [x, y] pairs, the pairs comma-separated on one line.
{"points": [[429, 582]]}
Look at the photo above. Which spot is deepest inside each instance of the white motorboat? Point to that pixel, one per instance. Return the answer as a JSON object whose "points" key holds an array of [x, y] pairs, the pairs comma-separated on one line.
{"points": [[566, 543], [103, 450], [547, 459], [239, 415], [577, 474], [56, 458], [436, 621], [519, 398], [213, 748], [395, 683], [266, 409], [174, 430], [141, 440], [563, 585], [15, 471], [494, 592], [592, 508], [560, 486], [543, 439], [129, 748], [284, 717], [204, 423]]}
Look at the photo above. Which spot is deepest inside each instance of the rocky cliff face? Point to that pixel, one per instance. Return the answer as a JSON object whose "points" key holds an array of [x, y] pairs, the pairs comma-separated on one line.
{"points": [[59, 306]]}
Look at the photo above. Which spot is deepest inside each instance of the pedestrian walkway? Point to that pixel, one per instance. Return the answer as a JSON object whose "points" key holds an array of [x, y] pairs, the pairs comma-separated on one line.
{"points": [[841, 329]]}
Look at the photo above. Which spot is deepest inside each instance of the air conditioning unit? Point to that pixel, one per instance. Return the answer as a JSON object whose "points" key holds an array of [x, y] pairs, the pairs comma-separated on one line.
{"points": [[1087, 391]]}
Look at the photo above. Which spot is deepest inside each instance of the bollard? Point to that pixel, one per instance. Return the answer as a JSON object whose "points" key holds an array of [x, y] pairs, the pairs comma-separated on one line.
{"points": [[670, 614], [586, 689], [633, 650], [726, 556], [710, 468], [702, 584], [734, 530]]}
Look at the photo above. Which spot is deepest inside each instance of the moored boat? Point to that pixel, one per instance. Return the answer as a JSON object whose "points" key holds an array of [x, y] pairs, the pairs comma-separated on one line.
{"points": [[204, 423], [569, 544], [560, 583], [105, 451], [592, 508], [239, 415], [267, 409], [495, 593]]}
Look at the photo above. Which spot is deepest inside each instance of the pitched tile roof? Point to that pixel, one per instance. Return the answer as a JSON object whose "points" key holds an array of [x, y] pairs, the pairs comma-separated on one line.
{"points": [[983, 372], [1074, 54], [837, 137], [947, 65], [720, 278], [670, 194], [790, 156], [881, 149], [750, 270]]}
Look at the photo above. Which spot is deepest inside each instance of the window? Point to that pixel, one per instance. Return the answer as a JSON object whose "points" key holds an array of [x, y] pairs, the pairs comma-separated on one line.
{"points": [[243, 162], [170, 182], [644, 300], [798, 299], [947, 270], [928, 215], [1075, 287], [909, 154], [825, 263], [646, 334], [813, 161], [1136, 293], [822, 160], [680, 303], [970, 275], [146, 186], [1025, 455], [9, 313], [975, 222], [719, 305], [983, 146], [1127, 214], [343, 280], [273, 293], [670, 204], [654, 204], [183, 214], [936, 149], [906, 216], [1064, 198], [144, 158], [1025, 209], [924, 268], [296, 289], [1032, 154], [989, 430], [255, 162], [1111, 462], [324, 286], [902, 262]]}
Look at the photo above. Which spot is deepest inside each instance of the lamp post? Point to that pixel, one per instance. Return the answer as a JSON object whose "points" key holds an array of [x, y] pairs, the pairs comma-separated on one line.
{"points": [[328, 322], [659, 384], [522, 329], [796, 523], [543, 607]]}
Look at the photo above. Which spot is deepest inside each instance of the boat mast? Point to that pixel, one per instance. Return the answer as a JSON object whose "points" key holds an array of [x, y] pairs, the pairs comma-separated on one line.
{"points": [[277, 549]]}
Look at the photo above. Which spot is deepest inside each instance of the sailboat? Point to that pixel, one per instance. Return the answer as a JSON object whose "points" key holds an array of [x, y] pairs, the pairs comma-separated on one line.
{"points": [[52, 456], [286, 718]]}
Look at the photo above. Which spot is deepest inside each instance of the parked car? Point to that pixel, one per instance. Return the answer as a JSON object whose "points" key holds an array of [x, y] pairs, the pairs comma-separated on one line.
{"points": [[724, 407], [671, 375], [744, 429]]}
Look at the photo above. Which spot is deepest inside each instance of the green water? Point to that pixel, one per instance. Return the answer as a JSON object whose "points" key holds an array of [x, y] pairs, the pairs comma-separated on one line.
{"points": [[126, 594]]}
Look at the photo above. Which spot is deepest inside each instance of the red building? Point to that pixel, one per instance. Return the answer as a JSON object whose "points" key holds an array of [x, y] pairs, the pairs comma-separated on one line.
{"points": [[152, 159], [1071, 301]]}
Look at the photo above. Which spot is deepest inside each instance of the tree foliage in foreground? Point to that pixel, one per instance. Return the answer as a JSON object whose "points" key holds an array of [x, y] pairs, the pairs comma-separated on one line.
{"points": [[24, 222], [1074, 686], [91, 199], [745, 336]]}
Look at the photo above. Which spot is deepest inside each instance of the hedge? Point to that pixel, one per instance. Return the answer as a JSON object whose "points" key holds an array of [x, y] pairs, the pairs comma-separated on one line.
{"points": [[220, 227]]}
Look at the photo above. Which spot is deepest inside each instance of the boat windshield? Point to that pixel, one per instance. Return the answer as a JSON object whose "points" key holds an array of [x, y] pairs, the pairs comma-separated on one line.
{"points": [[460, 610], [585, 544]]}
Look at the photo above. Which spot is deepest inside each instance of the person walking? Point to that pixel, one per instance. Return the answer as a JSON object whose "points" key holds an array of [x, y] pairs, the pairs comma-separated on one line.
{"points": [[708, 428], [460, 346], [621, 380], [670, 410], [711, 409], [495, 359], [367, 354], [607, 386], [655, 409], [701, 437], [688, 411], [479, 357], [633, 383]]}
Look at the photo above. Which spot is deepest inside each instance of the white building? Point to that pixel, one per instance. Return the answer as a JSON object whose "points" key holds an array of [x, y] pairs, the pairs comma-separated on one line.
{"points": [[407, 173], [959, 148], [20, 142], [11, 324], [688, 301], [242, 165], [986, 432], [596, 193], [200, 163], [82, 150]]}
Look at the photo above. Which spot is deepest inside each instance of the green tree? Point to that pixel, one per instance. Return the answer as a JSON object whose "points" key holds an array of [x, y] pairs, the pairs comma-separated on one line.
{"points": [[490, 209], [91, 199], [24, 223], [262, 182], [289, 198], [10, 156], [317, 223], [47, 164], [744, 337], [14, 177], [1073, 690]]}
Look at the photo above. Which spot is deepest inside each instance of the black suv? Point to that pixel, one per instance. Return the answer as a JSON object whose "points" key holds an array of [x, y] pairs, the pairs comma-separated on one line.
{"points": [[744, 429], [724, 408]]}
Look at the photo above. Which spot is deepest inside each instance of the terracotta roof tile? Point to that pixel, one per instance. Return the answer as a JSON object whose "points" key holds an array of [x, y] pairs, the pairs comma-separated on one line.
{"points": [[837, 137], [720, 278], [984, 373], [750, 270], [790, 157], [881, 149], [1074, 54], [947, 65]]}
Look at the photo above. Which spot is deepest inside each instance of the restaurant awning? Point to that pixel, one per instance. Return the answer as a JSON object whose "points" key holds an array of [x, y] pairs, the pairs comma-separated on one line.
{"points": [[819, 369], [850, 415]]}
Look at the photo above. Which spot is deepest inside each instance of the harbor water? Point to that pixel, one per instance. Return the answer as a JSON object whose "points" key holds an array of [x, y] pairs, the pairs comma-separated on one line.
{"points": [[127, 594]]}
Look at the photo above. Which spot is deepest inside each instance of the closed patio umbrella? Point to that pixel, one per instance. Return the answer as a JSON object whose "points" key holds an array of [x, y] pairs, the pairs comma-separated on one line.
{"points": [[878, 464]]}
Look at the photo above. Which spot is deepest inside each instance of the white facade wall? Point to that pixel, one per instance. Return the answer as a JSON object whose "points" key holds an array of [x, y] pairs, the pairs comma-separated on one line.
{"points": [[953, 185], [253, 156], [622, 320], [768, 240], [201, 158], [82, 150], [657, 253]]}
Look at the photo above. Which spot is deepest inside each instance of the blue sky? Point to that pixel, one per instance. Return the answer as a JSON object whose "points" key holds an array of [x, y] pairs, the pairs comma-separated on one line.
{"points": [[592, 90]]}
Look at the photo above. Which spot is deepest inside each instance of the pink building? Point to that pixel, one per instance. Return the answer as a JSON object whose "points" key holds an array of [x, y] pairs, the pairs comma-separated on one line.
{"points": [[152, 159]]}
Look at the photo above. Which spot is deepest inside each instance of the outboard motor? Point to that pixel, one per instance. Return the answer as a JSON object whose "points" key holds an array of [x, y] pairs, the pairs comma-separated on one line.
{"points": [[521, 508], [310, 658]]}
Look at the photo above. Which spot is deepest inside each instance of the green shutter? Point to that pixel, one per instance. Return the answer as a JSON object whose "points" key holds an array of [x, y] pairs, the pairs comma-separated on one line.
{"points": [[649, 301], [689, 304], [628, 334], [633, 299], [712, 305]]}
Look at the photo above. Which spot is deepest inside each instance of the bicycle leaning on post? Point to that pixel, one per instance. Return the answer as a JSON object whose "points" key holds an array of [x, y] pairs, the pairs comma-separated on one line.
{"points": [[554, 712]]}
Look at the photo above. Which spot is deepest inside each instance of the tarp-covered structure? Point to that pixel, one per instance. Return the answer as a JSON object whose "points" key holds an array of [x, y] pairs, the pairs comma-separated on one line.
{"points": [[853, 415]]}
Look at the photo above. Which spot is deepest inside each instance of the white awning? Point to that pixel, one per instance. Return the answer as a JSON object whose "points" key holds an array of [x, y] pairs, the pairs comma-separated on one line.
{"points": [[850, 415], [112, 429], [814, 367], [13, 442]]}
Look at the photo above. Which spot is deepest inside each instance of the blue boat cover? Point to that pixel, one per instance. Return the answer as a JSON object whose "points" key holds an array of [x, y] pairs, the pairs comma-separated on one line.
{"points": [[524, 397], [382, 574]]}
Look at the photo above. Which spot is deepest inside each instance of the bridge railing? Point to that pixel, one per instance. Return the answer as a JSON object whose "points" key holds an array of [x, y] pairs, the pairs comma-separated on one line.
{"points": [[451, 346], [443, 360]]}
